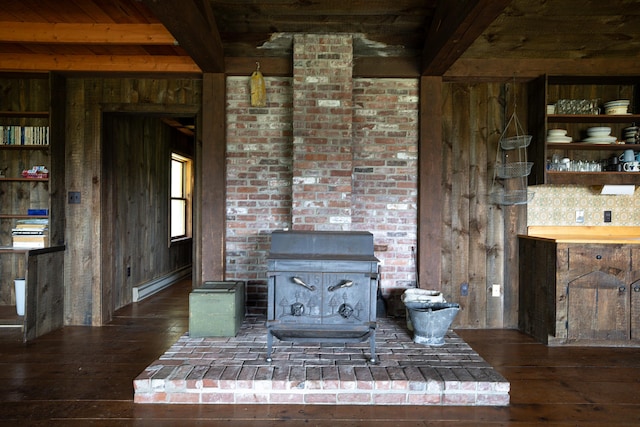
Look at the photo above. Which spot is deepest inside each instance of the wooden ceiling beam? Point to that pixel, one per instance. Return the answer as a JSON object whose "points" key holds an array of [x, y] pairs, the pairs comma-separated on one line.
{"points": [[196, 34], [99, 63], [370, 67], [124, 34], [523, 69], [456, 25]]}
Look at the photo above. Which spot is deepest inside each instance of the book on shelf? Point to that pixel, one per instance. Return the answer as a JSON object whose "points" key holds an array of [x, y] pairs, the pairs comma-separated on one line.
{"points": [[31, 233], [24, 135], [39, 223], [41, 241]]}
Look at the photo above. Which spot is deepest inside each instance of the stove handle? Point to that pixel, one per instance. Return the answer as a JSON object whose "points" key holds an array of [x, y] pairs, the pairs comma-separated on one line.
{"points": [[300, 282], [343, 284]]}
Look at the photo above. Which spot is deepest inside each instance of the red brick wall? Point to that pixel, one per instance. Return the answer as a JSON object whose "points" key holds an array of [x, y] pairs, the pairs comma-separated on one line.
{"points": [[258, 180], [329, 152], [385, 140], [322, 144]]}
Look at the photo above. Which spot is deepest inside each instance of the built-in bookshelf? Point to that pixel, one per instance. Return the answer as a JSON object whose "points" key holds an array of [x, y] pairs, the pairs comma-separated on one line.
{"points": [[27, 167]]}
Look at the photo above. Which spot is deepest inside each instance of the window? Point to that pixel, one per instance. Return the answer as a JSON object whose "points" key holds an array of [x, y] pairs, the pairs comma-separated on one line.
{"points": [[180, 211]]}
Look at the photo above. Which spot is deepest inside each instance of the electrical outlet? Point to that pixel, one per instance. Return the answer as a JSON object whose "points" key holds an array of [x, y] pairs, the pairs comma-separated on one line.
{"points": [[74, 197], [495, 290], [607, 216], [464, 289], [580, 217]]}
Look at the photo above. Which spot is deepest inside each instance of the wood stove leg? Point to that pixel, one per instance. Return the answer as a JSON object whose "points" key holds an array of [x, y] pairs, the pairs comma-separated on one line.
{"points": [[269, 346], [372, 346]]}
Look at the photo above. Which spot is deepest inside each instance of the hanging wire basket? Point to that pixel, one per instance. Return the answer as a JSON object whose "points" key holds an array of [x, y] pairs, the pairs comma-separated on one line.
{"points": [[513, 142], [511, 197], [514, 170], [517, 192]]}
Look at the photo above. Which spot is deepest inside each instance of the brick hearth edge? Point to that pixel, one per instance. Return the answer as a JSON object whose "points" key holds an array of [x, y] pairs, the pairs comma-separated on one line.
{"points": [[233, 371]]}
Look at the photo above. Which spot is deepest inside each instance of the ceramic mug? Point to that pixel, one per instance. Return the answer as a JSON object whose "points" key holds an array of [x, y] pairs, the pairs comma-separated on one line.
{"points": [[628, 156], [631, 166]]}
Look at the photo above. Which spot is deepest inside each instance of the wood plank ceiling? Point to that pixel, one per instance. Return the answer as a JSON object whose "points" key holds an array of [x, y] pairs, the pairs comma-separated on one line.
{"points": [[454, 38]]}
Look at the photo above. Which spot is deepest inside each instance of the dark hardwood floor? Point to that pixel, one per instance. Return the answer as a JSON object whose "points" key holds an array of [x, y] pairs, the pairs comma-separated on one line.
{"points": [[81, 376]]}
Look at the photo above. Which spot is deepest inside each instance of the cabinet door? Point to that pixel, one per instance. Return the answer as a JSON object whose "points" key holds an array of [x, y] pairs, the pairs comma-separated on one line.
{"points": [[611, 259], [598, 308]]}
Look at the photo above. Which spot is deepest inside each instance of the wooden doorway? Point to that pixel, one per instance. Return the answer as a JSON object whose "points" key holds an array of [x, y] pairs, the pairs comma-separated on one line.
{"points": [[136, 246]]}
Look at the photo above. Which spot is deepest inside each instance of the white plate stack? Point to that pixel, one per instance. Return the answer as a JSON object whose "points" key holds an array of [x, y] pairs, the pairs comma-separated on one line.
{"points": [[599, 135], [558, 136], [619, 107]]}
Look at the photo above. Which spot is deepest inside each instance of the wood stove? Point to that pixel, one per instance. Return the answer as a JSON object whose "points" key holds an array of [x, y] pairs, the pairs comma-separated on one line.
{"points": [[322, 287]]}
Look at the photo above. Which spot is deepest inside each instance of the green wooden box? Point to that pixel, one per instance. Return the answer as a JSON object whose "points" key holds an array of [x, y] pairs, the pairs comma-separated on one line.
{"points": [[216, 309]]}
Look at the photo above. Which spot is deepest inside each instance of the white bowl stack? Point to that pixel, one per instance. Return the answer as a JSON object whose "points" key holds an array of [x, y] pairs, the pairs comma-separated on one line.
{"points": [[558, 136], [619, 107], [599, 135], [631, 135]]}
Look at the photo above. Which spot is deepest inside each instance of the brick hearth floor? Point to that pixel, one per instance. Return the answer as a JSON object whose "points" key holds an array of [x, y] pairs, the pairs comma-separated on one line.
{"points": [[234, 371]]}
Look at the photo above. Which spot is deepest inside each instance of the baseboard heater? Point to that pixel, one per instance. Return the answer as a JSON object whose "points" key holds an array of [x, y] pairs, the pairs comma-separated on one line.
{"points": [[156, 285]]}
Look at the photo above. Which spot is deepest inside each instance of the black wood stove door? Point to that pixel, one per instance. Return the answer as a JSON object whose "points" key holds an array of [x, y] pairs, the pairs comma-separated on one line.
{"points": [[323, 298]]}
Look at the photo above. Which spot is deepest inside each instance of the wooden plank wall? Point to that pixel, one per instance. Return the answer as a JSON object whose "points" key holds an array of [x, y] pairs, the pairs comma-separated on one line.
{"points": [[479, 238], [90, 299], [138, 171]]}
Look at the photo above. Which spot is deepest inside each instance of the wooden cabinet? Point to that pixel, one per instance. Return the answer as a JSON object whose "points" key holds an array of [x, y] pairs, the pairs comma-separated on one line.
{"points": [[548, 90], [587, 294], [30, 101]]}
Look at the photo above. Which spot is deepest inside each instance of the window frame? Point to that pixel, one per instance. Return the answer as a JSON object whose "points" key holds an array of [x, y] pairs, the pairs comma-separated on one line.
{"points": [[186, 197]]}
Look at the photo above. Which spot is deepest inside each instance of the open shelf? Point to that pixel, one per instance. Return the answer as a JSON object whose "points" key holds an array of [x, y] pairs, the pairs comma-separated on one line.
{"points": [[548, 90], [586, 146], [11, 249], [593, 178], [593, 118], [25, 179], [29, 114], [24, 147], [23, 216]]}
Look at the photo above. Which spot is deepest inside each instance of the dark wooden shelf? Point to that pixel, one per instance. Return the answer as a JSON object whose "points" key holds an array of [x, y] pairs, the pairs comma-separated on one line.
{"points": [[26, 114], [23, 216], [24, 147], [593, 178], [593, 118], [11, 249], [24, 179], [585, 146]]}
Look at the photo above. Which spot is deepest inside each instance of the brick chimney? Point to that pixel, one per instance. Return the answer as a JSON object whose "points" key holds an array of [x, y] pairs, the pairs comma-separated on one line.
{"points": [[322, 132]]}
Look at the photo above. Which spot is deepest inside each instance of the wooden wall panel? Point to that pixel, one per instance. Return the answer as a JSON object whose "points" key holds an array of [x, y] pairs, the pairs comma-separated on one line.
{"points": [[479, 238], [494, 224], [82, 172], [140, 148], [92, 290]]}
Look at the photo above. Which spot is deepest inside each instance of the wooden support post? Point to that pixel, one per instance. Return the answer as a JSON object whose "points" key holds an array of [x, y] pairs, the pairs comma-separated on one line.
{"points": [[430, 193], [211, 181]]}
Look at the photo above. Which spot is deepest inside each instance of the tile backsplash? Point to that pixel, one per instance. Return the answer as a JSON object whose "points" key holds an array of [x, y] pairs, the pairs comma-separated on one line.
{"points": [[557, 205]]}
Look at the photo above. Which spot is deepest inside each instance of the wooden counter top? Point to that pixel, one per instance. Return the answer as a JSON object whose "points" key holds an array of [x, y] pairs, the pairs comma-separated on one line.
{"points": [[585, 234]]}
